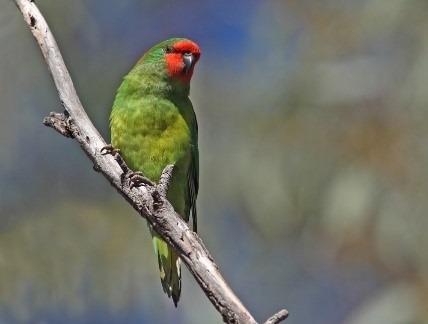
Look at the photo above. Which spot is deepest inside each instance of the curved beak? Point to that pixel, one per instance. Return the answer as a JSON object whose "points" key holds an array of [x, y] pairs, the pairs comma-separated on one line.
{"points": [[188, 60]]}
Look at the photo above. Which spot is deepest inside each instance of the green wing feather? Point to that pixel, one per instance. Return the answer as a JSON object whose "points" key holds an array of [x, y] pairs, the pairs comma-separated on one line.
{"points": [[193, 179]]}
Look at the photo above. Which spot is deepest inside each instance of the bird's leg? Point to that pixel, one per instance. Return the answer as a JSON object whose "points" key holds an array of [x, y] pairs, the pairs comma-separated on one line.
{"points": [[137, 179], [110, 150]]}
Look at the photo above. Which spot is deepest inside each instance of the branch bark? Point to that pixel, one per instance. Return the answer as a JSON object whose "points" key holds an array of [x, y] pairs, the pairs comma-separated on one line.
{"points": [[148, 201]]}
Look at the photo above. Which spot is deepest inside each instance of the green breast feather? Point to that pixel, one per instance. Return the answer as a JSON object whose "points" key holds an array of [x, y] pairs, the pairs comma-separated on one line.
{"points": [[152, 134]]}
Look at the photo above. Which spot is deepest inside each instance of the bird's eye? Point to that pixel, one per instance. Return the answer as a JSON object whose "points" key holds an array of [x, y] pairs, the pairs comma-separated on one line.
{"points": [[169, 49]]}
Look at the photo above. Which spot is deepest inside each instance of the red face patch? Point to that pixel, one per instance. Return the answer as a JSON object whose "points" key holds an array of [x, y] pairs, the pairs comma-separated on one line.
{"points": [[175, 62]]}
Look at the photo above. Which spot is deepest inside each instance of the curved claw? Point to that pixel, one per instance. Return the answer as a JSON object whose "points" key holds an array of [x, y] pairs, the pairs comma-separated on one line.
{"points": [[109, 149], [137, 179]]}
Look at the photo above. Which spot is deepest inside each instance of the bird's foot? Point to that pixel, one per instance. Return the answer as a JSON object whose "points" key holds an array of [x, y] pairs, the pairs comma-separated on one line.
{"points": [[137, 179], [109, 149]]}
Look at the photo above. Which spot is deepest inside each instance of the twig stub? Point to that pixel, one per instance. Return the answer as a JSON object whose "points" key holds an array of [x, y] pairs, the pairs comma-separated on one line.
{"points": [[278, 317], [59, 122]]}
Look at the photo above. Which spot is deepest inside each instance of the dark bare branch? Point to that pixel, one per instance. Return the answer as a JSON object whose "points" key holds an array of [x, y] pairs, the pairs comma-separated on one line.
{"points": [[149, 201]]}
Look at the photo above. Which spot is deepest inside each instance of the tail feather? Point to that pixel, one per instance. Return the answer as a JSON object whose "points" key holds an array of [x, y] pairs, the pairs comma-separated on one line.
{"points": [[169, 267]]}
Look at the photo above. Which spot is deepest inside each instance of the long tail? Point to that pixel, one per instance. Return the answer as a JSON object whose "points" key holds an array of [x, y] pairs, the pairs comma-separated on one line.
{"points": [[169, 267]]}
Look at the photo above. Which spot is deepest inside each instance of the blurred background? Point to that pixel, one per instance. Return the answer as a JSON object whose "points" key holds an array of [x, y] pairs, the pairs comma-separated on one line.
{"points": [[313, 143]]}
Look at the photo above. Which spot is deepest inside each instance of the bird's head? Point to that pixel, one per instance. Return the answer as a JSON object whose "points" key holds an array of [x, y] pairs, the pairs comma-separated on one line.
{"points": [[178, 54], [181, 56]]}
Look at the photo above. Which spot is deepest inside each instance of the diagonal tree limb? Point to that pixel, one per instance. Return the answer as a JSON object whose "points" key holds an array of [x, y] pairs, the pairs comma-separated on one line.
{"points": [[148, 201]]}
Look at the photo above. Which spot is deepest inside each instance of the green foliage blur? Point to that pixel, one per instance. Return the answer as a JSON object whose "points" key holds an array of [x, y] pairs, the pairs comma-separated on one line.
{"points": [[313, 144]]}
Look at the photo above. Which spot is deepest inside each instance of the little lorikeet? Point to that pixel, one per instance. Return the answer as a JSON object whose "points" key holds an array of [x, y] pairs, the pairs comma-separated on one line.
{"points": [[153, 125]]}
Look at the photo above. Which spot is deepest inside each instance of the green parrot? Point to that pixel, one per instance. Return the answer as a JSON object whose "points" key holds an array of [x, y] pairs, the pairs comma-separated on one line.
{"points": [[153, 124]]}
